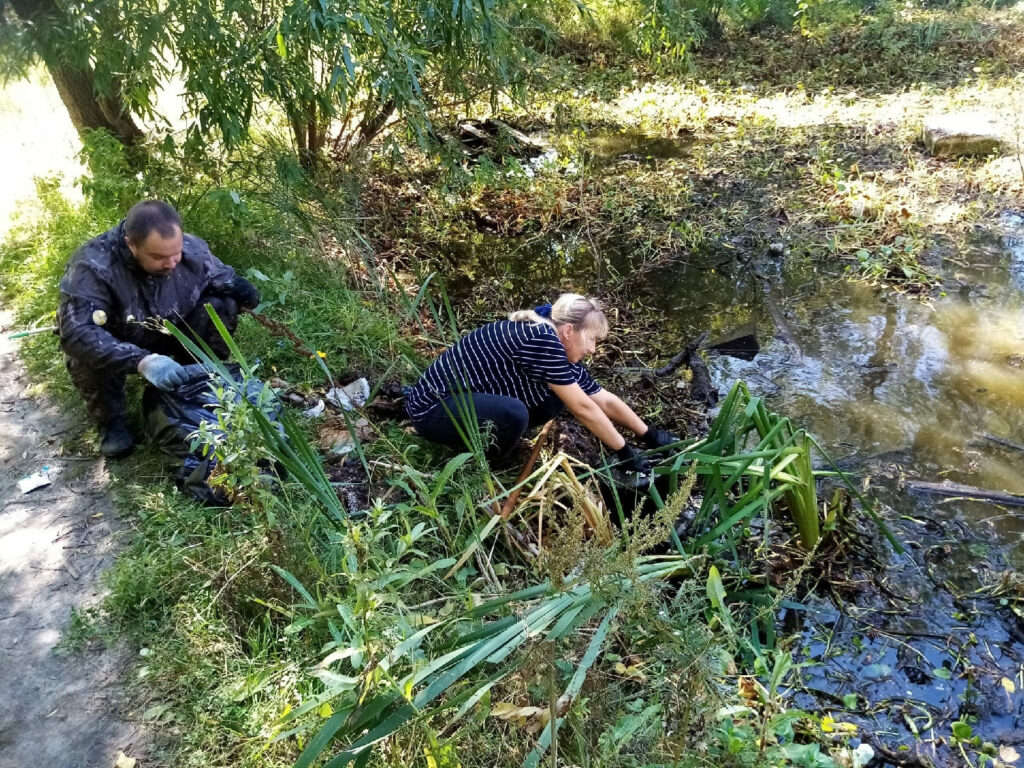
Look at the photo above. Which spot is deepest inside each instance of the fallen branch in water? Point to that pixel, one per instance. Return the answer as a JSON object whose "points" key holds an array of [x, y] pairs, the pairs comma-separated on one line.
{"points": [[905, 759], [681, 359], [947, 488], [701, 388], [1003, 442]]}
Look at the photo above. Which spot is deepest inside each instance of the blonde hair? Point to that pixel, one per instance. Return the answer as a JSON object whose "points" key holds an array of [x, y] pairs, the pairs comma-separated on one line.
{"points": [[569, 309]]}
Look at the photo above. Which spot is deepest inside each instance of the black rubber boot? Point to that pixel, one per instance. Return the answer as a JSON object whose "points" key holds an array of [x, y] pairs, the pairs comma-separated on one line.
{"points": [[116, 440]]}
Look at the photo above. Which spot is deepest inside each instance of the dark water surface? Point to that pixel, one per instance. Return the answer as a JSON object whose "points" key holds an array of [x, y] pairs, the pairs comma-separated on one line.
{"points": [[894, 386]]}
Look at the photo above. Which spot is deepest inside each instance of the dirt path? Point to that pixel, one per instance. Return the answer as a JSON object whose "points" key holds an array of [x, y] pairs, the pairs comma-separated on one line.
{"points": [[57, 708]]}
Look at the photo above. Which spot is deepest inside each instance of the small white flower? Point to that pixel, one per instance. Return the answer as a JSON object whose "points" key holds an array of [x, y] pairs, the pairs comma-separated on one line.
{"points": [[130, 319], [99, 317]]}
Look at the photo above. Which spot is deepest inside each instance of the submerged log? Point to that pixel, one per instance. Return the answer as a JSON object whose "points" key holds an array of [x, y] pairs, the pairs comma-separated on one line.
{"points": [[702, 390], [947, 488], [683, 358], [741, 343]]}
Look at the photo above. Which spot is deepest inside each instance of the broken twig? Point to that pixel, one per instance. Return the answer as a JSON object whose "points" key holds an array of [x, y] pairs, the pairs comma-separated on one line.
{"points": [[538, 444]]}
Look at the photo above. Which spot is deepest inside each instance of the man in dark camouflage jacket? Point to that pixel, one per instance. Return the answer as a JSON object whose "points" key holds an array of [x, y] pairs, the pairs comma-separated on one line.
{"points": [[115, 294]]}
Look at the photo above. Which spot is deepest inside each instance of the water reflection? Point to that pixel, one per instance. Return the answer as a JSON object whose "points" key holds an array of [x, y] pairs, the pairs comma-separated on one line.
{"points": [[629, 146], [878, 376]]}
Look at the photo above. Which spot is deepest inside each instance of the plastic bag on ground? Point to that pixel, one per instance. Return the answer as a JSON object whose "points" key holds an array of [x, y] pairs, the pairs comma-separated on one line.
{"points": [[172, 418], [350, 396]]}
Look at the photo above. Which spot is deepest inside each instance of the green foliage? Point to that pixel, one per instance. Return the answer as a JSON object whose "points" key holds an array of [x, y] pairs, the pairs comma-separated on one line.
{"points": [[552, 615], [234, 438], [286, 442], [351, 64], [85, 626], [897, 265], [262, 630]]}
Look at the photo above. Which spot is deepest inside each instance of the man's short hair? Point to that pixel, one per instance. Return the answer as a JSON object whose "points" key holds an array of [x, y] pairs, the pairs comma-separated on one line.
{"points": [[151, 215]]}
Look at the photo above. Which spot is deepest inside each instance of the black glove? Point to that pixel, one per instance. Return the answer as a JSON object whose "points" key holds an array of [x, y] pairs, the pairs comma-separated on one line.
{"points": [[243, 292], [631, 460], [658, 438]]}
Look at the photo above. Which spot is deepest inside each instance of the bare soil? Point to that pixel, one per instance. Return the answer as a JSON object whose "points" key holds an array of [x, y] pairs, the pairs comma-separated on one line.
{"points": [[60, 707]]}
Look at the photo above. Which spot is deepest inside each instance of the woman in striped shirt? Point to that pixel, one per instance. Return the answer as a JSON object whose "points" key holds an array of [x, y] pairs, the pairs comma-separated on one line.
{"points": [[514, 374]]}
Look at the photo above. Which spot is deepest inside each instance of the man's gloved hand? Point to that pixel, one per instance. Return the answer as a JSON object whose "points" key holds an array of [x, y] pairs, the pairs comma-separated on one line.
{"points": [[162, 372], [658, 438], [631, 460], [244, 292]]}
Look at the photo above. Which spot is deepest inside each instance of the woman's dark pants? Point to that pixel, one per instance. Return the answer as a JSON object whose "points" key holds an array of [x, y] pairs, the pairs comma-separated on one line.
{"points": [[503, 420]]}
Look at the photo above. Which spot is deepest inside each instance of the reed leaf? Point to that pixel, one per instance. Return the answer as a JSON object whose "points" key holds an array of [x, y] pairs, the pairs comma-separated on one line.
{"points": [[419, 694]]}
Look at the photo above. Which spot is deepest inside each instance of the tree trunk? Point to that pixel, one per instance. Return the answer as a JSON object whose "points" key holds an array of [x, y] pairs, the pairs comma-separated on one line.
{"points": [[299, 134], [75, 83], [87, 110], [372, 125]]}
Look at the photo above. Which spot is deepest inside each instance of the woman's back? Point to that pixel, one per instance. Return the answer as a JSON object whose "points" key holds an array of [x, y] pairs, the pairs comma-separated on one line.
{"points": [[514, 359]]}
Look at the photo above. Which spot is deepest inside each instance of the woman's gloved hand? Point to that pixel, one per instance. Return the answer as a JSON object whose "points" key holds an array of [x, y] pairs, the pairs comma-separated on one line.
{"points": [[162, 372], [631, 460], [658, 438]]}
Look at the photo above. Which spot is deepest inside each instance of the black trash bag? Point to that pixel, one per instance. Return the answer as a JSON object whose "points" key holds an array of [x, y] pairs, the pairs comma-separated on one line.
{"points": [[173, 417]]}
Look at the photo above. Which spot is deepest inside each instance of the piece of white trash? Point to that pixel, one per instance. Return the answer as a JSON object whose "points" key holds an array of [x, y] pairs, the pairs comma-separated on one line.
{"points": [[353, 395], [863, 755], [35, 480], [316, 410]]}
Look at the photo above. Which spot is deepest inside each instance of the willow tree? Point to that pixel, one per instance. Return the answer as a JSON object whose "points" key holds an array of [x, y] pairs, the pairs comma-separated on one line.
{"points": [[343, 70]]}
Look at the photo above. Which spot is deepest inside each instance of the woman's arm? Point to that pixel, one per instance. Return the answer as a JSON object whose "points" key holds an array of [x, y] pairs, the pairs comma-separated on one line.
{"points": [[591, 414], [618, 412]]}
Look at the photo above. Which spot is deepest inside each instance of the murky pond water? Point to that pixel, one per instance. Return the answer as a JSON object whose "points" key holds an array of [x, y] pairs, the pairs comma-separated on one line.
{"points": [[893, 387], [925, 385]]}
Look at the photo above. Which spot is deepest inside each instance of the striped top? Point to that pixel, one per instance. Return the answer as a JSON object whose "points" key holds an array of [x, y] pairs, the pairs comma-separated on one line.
{"points": [[506, 358]]}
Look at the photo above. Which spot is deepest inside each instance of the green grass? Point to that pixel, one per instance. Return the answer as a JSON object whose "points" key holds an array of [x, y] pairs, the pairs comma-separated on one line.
{"points": [[810, 141], [235, 611]]}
